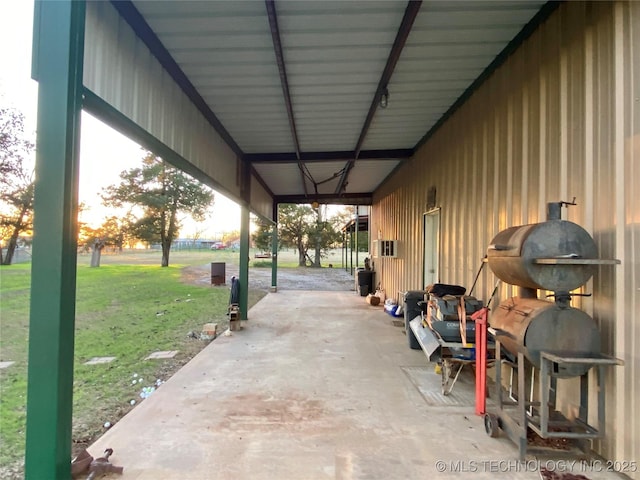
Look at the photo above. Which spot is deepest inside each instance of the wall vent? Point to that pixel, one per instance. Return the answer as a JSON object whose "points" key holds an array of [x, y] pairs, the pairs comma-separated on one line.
{"points": [[385, 248]]}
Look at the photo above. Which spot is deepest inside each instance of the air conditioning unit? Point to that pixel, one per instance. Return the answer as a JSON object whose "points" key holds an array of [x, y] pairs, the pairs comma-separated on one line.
{"points": [[385, 248]]}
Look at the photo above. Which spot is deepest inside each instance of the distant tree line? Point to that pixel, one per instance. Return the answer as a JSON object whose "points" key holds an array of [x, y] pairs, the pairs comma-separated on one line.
{"points": [[304, 228], [155, 197]]}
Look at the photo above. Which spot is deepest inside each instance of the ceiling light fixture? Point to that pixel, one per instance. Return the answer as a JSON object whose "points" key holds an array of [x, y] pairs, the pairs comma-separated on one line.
{"points": [[384, 98]]}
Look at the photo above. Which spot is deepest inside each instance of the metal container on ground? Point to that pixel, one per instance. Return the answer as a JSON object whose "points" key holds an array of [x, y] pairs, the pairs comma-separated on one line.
{"points": [[218, 273], [365, 282]]}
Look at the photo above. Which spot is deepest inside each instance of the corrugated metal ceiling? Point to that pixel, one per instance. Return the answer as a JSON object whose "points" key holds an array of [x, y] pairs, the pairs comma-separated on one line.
{"points": [[326, 47], [333, 57]]}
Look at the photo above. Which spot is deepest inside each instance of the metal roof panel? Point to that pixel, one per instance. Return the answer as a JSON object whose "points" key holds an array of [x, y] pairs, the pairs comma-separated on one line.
{"points": [[334, 53]]}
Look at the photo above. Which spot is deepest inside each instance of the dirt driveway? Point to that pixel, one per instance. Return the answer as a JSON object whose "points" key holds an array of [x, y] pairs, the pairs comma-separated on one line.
{"points": [[327, 279]]}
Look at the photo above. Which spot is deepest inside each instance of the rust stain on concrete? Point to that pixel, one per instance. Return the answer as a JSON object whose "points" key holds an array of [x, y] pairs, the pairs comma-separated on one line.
{"points": [[259, 412]]}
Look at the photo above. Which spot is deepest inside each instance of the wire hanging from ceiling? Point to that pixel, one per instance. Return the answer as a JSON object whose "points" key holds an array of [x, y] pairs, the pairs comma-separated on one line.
{"points": [[308, 175]]}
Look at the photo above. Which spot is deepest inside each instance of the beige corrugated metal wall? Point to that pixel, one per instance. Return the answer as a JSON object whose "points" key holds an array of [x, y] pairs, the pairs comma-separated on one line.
{"points": [[261, 200], [152, 100], [149, 96], [560, 118]]}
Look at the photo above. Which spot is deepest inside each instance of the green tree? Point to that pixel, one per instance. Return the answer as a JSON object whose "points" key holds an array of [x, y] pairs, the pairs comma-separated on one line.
{"points": [[15, 148], [343, 218], [323, 234], [112, 232], [303, 228], [161, 193], [294, 225], [16, 181], [262, 237]]}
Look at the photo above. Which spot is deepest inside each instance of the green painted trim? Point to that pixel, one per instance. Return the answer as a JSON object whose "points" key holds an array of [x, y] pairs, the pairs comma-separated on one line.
{"points": [[244, 261], [59, 63], [35, 40], [274, 258]]}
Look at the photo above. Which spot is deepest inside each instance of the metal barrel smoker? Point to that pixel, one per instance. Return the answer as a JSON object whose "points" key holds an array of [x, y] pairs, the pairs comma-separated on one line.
{"points": [[554, 338]]}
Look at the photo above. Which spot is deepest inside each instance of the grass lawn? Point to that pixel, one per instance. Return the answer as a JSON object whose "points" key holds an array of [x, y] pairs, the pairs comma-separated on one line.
{"points": [[127, 308]]}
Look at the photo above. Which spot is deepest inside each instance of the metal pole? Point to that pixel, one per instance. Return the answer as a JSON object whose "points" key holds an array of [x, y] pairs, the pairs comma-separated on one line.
{"points": [[244, 261], [357, 227], [522, 408], [584, 397], [57, 66], [545, 367], [351, 252], [274, 258], [480, 318]]}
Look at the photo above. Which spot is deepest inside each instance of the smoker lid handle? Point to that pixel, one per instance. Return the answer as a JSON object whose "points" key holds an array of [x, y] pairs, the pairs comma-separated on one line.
{"points": [[498, 332]]}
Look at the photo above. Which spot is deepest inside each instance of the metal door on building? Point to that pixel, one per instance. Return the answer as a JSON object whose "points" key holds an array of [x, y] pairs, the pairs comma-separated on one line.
{"points": [[431, 269]]}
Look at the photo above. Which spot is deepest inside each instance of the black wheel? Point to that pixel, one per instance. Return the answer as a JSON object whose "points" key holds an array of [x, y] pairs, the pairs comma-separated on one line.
{"points": [[491, 425]]}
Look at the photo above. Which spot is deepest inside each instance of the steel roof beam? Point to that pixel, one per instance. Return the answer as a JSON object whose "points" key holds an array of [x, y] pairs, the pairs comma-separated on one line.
{"points": [[261, 181], [291, 157], [277, 47], [365, 198], [410, 14]]}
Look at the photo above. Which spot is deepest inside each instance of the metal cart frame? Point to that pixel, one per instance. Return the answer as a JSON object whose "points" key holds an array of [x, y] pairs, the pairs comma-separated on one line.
{"points": [[438, 350], [451, 366], [542, 416]]}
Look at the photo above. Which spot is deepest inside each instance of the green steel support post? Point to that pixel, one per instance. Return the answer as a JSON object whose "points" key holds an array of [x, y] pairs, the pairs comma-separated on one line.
{"points": [[274, 258], [244, 261], [357, 227], [57, 65], [351, 253]]}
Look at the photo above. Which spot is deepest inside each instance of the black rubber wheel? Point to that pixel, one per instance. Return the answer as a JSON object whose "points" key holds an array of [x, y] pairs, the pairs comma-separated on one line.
{"points": [[413, 341], [491, 425]]}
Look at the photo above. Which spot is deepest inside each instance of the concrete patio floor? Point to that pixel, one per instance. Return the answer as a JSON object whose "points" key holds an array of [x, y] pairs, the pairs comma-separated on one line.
{"points": [[317, 385]]}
